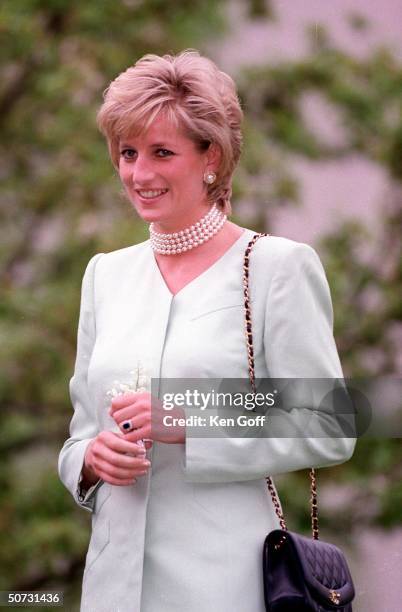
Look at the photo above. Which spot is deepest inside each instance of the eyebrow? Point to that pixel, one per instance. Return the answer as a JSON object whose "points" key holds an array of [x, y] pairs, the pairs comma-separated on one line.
{"points": [[156, 144]]}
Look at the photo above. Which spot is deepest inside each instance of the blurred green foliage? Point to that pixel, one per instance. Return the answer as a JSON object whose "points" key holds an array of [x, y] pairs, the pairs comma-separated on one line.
{"points": [[61, 203]]}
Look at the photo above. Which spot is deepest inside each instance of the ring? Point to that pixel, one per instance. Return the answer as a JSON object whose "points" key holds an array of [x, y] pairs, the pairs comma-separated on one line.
{"points": [[127, 426]]}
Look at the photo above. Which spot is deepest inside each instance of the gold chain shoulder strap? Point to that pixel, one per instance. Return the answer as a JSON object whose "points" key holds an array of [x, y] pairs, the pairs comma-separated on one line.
{"points": [[251, 372]]}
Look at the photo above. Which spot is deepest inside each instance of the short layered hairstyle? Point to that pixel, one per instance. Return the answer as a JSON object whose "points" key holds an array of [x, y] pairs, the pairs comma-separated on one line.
{"points": [[191, 91]]}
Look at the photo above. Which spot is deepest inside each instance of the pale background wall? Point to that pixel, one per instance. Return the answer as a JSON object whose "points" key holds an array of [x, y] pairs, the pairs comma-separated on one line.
{"points": [[333, 190]]}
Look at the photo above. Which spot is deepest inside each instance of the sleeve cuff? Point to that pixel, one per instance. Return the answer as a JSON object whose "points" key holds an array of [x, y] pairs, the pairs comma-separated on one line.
{"points": [[86, 497]]}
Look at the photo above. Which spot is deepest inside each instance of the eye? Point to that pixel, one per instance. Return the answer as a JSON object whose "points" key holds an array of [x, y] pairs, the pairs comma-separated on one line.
{"points": [[124, 153], [164, 153], [130, 154]]}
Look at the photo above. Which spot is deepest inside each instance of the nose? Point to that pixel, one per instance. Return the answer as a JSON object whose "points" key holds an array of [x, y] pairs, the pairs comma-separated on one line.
{"points": [[142, 172]]}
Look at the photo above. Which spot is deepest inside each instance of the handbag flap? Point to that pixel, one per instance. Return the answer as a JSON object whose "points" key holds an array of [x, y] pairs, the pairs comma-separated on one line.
{"points": [[322, 565]]}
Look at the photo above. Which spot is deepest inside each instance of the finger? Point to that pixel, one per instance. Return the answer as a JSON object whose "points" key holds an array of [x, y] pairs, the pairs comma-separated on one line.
{"points": [[148, 444], [136, 449], [127, 425], [120, 460], [119, 473], [119, 443], [123, 400], [139, 434], [118, 482], [130, 453], [131, 411], [125, 475]]}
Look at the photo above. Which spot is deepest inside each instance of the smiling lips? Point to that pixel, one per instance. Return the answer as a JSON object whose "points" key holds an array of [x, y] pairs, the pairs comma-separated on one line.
{"points": [[151, 193]]}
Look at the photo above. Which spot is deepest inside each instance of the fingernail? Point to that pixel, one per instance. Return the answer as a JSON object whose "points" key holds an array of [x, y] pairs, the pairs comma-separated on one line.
{"points": [[147, 463]]}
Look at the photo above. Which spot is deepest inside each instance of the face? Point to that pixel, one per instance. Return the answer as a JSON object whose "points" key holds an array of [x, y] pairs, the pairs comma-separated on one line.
{"points": [[162, 172]]}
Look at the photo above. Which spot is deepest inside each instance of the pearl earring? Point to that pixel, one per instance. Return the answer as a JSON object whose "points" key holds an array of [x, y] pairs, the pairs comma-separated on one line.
{"points": [[209, 177]]}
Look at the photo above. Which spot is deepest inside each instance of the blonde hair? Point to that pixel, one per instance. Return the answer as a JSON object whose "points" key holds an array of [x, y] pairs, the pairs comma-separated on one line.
{"points": [[194, 95]]}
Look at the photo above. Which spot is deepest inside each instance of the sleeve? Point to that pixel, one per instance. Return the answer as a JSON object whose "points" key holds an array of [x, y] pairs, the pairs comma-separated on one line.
{"points": [[298, 343], [83, 426]]}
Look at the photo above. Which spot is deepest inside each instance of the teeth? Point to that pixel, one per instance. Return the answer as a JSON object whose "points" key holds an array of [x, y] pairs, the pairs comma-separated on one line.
{"points": [[152, 194]]}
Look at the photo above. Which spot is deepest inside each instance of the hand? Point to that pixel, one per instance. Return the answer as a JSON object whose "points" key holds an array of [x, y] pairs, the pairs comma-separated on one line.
{"points": [[114, 459], [146, 414]]}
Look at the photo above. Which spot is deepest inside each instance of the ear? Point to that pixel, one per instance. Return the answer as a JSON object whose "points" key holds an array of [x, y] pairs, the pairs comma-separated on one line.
{"points": [[214, 157]]}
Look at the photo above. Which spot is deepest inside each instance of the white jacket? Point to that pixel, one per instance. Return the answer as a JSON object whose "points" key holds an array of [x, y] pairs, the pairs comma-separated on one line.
{"points": [[188, 537]]}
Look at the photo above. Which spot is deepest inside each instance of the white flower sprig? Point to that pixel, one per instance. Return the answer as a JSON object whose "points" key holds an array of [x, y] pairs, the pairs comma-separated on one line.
{"points": [[139, 383]]}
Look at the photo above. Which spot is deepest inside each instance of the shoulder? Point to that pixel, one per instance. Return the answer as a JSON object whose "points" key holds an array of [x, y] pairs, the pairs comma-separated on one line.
{"points": [[121, 259], [107, 270], [292, 277], [278, 253], [126, 253]]}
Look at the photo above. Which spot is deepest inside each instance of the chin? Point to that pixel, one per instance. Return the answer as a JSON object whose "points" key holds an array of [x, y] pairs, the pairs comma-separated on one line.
{"points": [[149, 216]]}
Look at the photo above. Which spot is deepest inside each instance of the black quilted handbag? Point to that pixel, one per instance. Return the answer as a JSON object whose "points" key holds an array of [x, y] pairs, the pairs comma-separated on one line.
{"points": [[300, 574], [303, 574]]}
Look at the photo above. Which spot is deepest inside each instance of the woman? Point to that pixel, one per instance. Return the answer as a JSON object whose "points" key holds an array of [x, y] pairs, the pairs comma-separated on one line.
{"points": [[181, 529]]}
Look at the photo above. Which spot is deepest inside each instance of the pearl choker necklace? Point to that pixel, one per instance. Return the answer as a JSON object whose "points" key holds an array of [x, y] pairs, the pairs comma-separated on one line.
{"points": [[189, 238]]}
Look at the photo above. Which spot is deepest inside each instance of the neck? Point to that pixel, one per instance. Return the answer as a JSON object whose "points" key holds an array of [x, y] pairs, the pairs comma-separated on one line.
{"points": [[188, 237], [178, 225]]}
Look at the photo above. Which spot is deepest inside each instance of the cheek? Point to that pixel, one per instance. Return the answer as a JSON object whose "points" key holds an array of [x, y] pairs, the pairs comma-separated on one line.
{"points": [[124, 173], [192, 182]]}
